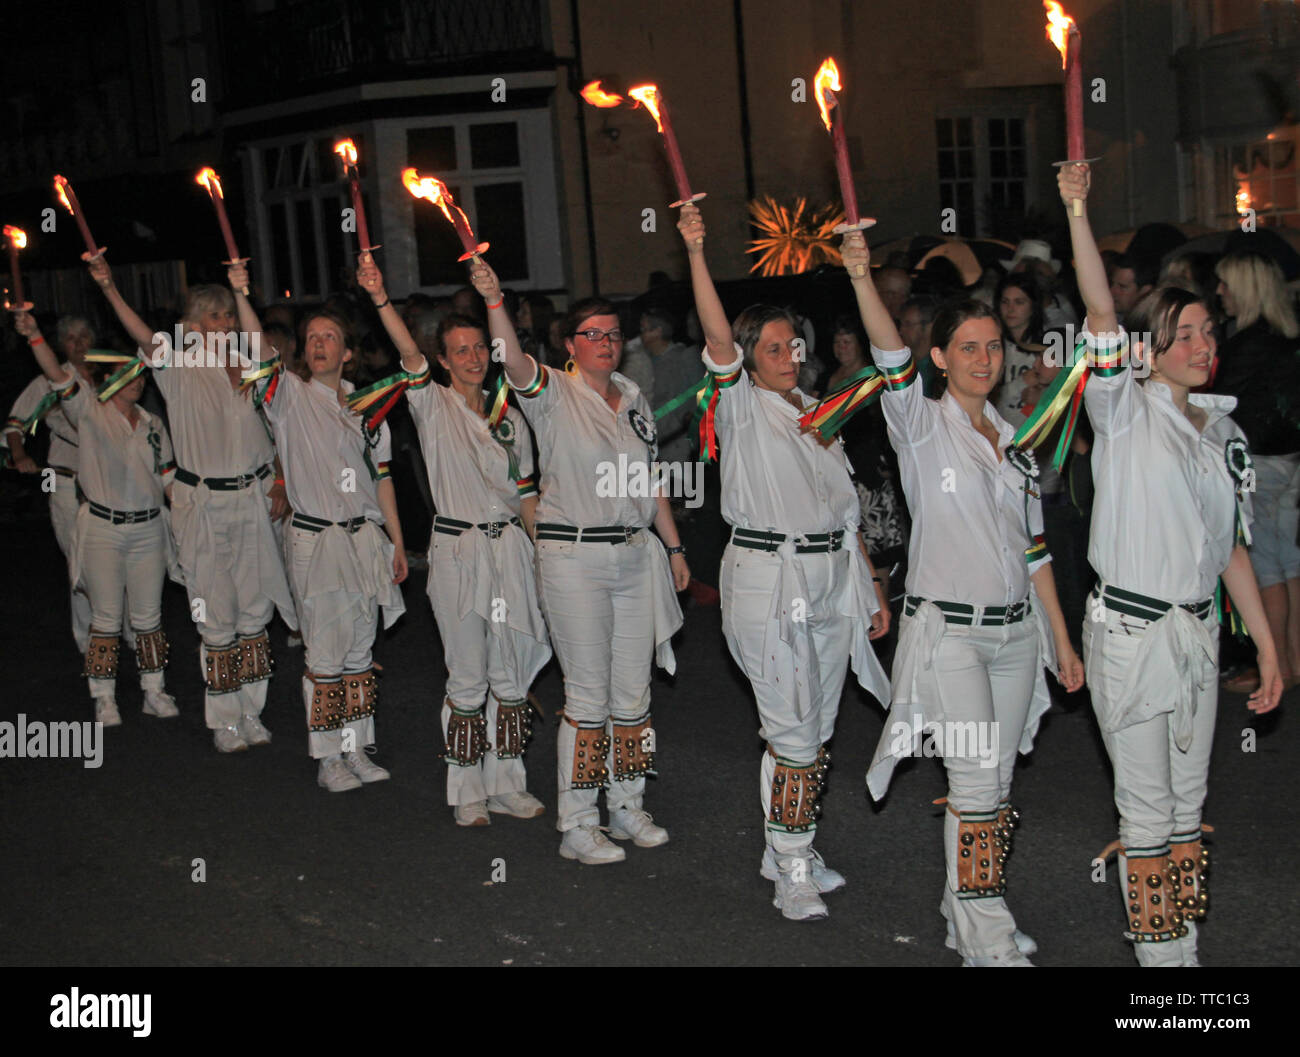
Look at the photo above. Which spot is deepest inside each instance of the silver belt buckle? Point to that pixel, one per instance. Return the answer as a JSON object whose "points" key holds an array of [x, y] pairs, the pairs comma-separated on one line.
{"points": [[628, 534], [494, 530]]}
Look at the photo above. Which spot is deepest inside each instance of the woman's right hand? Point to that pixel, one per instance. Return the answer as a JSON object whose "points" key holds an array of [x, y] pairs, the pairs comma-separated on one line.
{"points": [[691, 225], [99, 271], [855, 254], [485, 281], [26, 325], [370, 278], [1074, 181]]}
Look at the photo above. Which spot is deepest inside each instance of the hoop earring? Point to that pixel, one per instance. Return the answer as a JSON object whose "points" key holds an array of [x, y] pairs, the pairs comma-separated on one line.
{"points": [[571, 367]]}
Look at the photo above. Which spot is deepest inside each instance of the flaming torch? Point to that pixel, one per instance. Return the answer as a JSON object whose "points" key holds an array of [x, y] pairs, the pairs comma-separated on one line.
{"points": [[435, 191], [1064, 33], [649, 96], [208, 179], [17, 241], [597, 96], [347, 150], [69, 199], [825, 84]]}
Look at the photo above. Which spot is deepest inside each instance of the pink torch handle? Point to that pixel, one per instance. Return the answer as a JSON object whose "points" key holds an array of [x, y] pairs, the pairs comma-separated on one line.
{"points": [[224, 222], [1074, 97], [674, 152], [15, 275], [363, 229], [847, 191]]}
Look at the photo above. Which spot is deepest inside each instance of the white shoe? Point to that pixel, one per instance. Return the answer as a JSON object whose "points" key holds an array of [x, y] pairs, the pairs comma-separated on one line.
{"points": [[1024, 944], [473, 814], [160, 703], [335, 776], [106, 712], [360, 765], [798, 900], [228, 739], [823, 877], [1007, 961], [589, 845], [521, 804], [639, 825], [252, 731]]}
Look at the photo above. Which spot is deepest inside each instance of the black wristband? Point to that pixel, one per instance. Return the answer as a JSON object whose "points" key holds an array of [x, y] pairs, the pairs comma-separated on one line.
{"points": [[387, 301], [679, 549]]}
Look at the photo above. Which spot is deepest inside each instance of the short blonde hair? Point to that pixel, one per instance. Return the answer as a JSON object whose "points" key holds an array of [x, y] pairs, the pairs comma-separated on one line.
{"points": [[206, 297], [1259, 289]]}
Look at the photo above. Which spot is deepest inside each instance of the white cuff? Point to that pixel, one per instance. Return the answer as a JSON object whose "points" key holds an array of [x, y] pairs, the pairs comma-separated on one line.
{"points": [[723, 368], [896, 358]]}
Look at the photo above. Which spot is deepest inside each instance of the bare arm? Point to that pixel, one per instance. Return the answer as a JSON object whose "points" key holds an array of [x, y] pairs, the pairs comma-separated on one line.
{"points": [[520, 367], [237, 274], [1074, 182], [45, 358], [875, 316], [667, 529], [136, 327], [371, 279], [1243, 588], [881, 618], [528, 513], [713, 317], [1070, 668]]}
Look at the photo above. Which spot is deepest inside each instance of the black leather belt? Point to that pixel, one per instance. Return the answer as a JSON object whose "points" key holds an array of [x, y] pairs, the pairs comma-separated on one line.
{"points": [[224, 484]]}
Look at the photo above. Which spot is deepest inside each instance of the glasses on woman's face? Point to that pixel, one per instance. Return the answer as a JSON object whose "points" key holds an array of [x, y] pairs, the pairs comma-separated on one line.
{"points": [[597, 337]]}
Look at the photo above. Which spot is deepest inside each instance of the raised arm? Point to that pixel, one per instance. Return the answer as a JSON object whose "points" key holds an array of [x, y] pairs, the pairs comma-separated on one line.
{"points": [[371, 280], [713, 317], [237, 274], [1074, 182], [136, 327], [875, 316], [45, 358], [520, 367]]}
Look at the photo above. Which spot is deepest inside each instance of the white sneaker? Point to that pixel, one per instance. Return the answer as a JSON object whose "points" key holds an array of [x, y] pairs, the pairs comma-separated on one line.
{"points": [[589, 845], [106, 712], [639, 825], [1024, 944], [473, 814], [228, 739], [335, 776], [361, 766], [160, 703], [521, 804], [798, 900], [823, 877], [1006, 961], [252, 731]]}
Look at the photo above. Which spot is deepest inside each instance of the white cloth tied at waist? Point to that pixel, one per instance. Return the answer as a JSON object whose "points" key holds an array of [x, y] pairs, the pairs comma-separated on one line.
{"points": [[351, 567], [917, 693], [197, 547], [1177, 642], [502, 569], [667, 613]]}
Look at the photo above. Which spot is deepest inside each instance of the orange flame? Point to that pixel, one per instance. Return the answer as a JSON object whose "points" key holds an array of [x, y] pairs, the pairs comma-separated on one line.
{"points": [[16, 235], [347, 150], [429, 187], [648, 96], [208, 178], [826, 81], [597, 96], [1059, 25], [59, 182]]}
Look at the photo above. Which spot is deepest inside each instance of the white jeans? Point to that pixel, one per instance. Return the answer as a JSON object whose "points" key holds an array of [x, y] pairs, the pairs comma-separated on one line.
{"points": [[63, 519], [118, 560], [597, 598]]}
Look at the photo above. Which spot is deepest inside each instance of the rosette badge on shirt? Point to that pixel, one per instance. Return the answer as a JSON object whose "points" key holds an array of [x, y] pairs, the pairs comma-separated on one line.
{"points": [[645, 429]]}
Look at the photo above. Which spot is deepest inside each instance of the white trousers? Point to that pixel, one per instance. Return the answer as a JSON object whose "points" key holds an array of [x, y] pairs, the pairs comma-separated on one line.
{"points": [[747, 583], [597, 599], [986, 679], [124, 561], [338, 634], [63, 519]]}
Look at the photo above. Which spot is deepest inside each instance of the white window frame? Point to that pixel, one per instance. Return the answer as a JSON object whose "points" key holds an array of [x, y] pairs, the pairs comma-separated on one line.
{"points": [[983, 180]]}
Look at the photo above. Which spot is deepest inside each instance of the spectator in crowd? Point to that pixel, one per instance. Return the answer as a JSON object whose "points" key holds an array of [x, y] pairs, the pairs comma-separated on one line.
{"points": [[915, 326], [1034, 256], [1131, 281], [1019, 305], [895, 287]]}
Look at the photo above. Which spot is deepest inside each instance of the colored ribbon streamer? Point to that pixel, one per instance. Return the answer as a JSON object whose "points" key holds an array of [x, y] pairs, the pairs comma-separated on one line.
{"points": [[833, 411], [124, 376], [1064, 397], [705, 393], [375, 401]]}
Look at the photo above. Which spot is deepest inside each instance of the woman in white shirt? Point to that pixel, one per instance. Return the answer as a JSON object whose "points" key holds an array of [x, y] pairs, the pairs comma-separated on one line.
{"points": [[1172, 506], [797, 587], [479, 455], [607, 585], [981, 618], [121, 539]]}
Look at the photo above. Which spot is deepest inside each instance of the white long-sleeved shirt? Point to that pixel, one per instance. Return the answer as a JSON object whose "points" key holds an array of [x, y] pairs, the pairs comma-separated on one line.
{"points": [[63, 434], [1164, 514], [469, 468], [123, 467], [775, 477], [331, 470], [585, 446], [977, 521]]}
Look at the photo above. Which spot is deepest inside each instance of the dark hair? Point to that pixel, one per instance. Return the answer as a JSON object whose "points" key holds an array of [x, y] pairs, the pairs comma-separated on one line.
{"points": [[851, 324], [1028, 284], [660, 320], [584, 310], [456, 321], [1157, 315], [924, 304], [749, 326], [953, 314], [1146, 272]]}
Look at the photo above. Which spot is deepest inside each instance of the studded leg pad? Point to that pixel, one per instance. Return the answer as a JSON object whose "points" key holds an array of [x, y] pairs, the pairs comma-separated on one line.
{"points": [[151, 650], [1151, 886], [514, 728], [631, 746], [221, 665], [467, 739], [101, 656], [983, 844], [590, 756], [360, 693], [796, 793], [255, 657], [1190, 879], [328, 706]]}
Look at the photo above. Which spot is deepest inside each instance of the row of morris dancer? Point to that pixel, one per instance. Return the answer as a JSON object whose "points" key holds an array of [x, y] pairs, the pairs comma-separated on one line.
{"points": [[520, 565]]}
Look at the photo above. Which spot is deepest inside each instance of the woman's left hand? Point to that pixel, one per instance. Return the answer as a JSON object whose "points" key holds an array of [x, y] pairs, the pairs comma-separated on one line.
{"points": [[399, 565], [681, 572], [1070, 669], [1269, 694], [279, 502], [882, 617]]}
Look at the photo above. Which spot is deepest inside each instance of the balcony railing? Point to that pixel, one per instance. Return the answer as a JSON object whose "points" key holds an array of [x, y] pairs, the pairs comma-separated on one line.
{"points": [[299, 47]]}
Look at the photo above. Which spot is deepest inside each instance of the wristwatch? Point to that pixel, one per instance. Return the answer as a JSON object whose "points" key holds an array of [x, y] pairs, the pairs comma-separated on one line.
{"points": [[679, 549]]}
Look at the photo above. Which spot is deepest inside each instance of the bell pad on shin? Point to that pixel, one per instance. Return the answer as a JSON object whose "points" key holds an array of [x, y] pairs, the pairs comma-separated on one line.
{"points": [[101, 656], [983, 844], [467, 739], [1191, 859], [514, 728], [360, 693], [327, 705], [1151, 900], [255, 657], [796, 793], [631, 750], [151, 650], [221, 665], [590, 751]]}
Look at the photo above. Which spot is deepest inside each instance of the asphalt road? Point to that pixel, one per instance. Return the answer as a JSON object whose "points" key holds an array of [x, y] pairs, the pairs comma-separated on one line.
{"points": [[99, 862]]}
